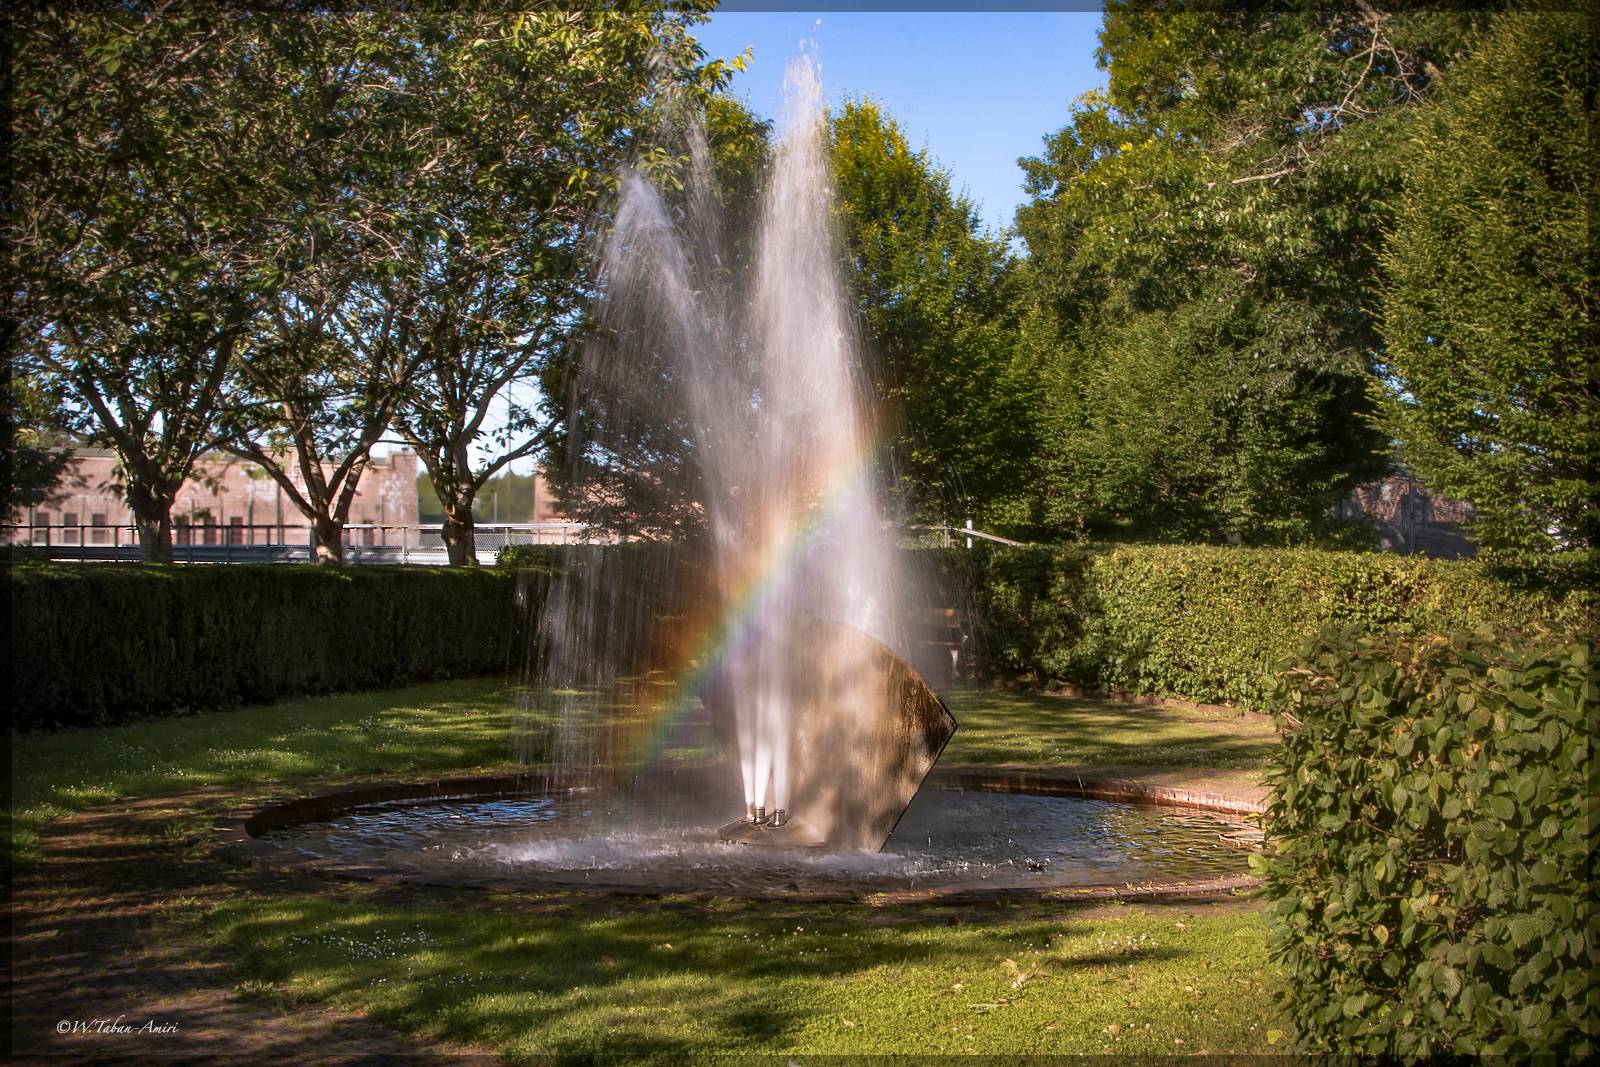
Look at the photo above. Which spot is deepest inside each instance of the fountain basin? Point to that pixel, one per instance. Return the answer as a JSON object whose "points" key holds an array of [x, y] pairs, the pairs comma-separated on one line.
{"points": [[973, 833]]}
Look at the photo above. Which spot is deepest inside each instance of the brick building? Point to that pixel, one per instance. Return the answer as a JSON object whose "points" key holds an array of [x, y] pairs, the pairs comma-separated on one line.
{"points": [[1410, 520], [226, 499], [544, 500]]}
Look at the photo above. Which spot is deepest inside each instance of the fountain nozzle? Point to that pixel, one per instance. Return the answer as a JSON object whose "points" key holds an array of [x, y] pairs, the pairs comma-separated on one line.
{"points": [[759, 815], [780, 817]]}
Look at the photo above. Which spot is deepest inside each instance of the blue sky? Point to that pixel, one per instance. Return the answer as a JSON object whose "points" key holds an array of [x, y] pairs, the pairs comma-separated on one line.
{"points": [[978, 90]]}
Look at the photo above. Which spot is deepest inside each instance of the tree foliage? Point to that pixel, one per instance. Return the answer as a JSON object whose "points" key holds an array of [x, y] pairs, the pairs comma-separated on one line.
{"points": [[1203, 239], [935, 298], [1489, 368], [149, 163], [525, 124], [32, 460], [253, 229]]}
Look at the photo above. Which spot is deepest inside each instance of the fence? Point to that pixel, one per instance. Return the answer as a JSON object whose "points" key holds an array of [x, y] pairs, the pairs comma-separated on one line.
{"points": [[283, 543]]}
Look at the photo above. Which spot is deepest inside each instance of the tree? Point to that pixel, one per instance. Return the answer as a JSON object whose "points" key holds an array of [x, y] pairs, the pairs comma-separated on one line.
{"points": [[157, 151], [1489, 373], [31, 461], [1204, 235], [935, 299], [320, 380], [624, 446], [519, 126], [310, 403]]}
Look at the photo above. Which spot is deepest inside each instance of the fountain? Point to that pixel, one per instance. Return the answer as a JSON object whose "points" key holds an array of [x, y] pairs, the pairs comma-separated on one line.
{"points": [[730, 665], [725, 372]]}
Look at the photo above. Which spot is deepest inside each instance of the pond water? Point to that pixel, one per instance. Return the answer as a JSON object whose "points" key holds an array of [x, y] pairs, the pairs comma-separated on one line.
{"points": [[946, 838]]}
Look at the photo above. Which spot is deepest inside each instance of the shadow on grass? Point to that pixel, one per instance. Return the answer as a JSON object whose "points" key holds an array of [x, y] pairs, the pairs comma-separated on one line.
{"points": [[654, 981]]}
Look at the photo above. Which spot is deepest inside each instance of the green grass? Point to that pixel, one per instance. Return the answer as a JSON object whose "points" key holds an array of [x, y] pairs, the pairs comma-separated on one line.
{"points": [[441, 726], [1001, 727], [529, 976], [641, 979]]}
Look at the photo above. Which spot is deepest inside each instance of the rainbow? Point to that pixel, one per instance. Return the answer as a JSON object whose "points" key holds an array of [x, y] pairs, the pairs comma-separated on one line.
{"points": [[722, 634]]}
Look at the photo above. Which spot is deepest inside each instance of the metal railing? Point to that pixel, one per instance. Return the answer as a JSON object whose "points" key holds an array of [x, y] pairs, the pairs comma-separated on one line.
{"points": [[296, 543], [281, 543], [950, 534]]}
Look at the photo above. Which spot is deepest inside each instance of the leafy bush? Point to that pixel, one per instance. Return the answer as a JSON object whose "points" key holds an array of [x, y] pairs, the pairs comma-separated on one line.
{"points": [[1214, 623], [1433, 818], [102, 643]]}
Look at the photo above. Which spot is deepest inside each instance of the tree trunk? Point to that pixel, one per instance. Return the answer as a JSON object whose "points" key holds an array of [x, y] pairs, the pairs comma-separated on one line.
{"points": [[460, 536], [330, 539], [152, 514]]}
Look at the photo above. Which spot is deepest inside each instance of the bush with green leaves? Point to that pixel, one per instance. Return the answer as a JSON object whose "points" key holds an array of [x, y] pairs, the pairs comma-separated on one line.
{"points": [[1214, 623], [94, 643], [1431, 834]]}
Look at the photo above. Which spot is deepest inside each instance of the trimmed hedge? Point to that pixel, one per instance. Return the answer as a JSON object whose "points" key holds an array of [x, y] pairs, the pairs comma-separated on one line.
{"points": [[1433, 818], [100, 643], [1213, 624]]}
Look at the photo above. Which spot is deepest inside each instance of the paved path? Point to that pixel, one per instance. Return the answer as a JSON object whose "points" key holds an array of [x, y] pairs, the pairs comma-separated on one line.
{"points": [[90, 942]]}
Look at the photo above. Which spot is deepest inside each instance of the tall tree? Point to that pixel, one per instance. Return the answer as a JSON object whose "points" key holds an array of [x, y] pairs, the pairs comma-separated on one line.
{"points": [[1204, 236], [934, 296], [157, 151], [1489, 315], [520, 124], [130, 289], [319, 381], [310, 402]]}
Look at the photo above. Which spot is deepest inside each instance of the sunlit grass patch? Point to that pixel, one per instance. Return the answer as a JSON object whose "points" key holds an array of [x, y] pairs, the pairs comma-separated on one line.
{"points": [[441, 726], [1009, 727], [643, 980]]}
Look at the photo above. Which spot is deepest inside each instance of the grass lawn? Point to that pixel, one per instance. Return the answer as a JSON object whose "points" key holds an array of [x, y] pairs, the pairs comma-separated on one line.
{"points": [[531, 975], [442, 726], [533, 979], [1004, 727]]}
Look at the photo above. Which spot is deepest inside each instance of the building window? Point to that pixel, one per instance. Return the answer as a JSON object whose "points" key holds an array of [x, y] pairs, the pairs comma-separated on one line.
{"points": [[236, 530], [184, 534], [100, 535], [69, 536], [210, 536]]}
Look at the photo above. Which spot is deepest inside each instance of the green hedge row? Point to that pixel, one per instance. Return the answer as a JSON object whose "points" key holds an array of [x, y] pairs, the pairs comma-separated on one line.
{"points": [[1214, 623], [1432, 833], [99, 643]]}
